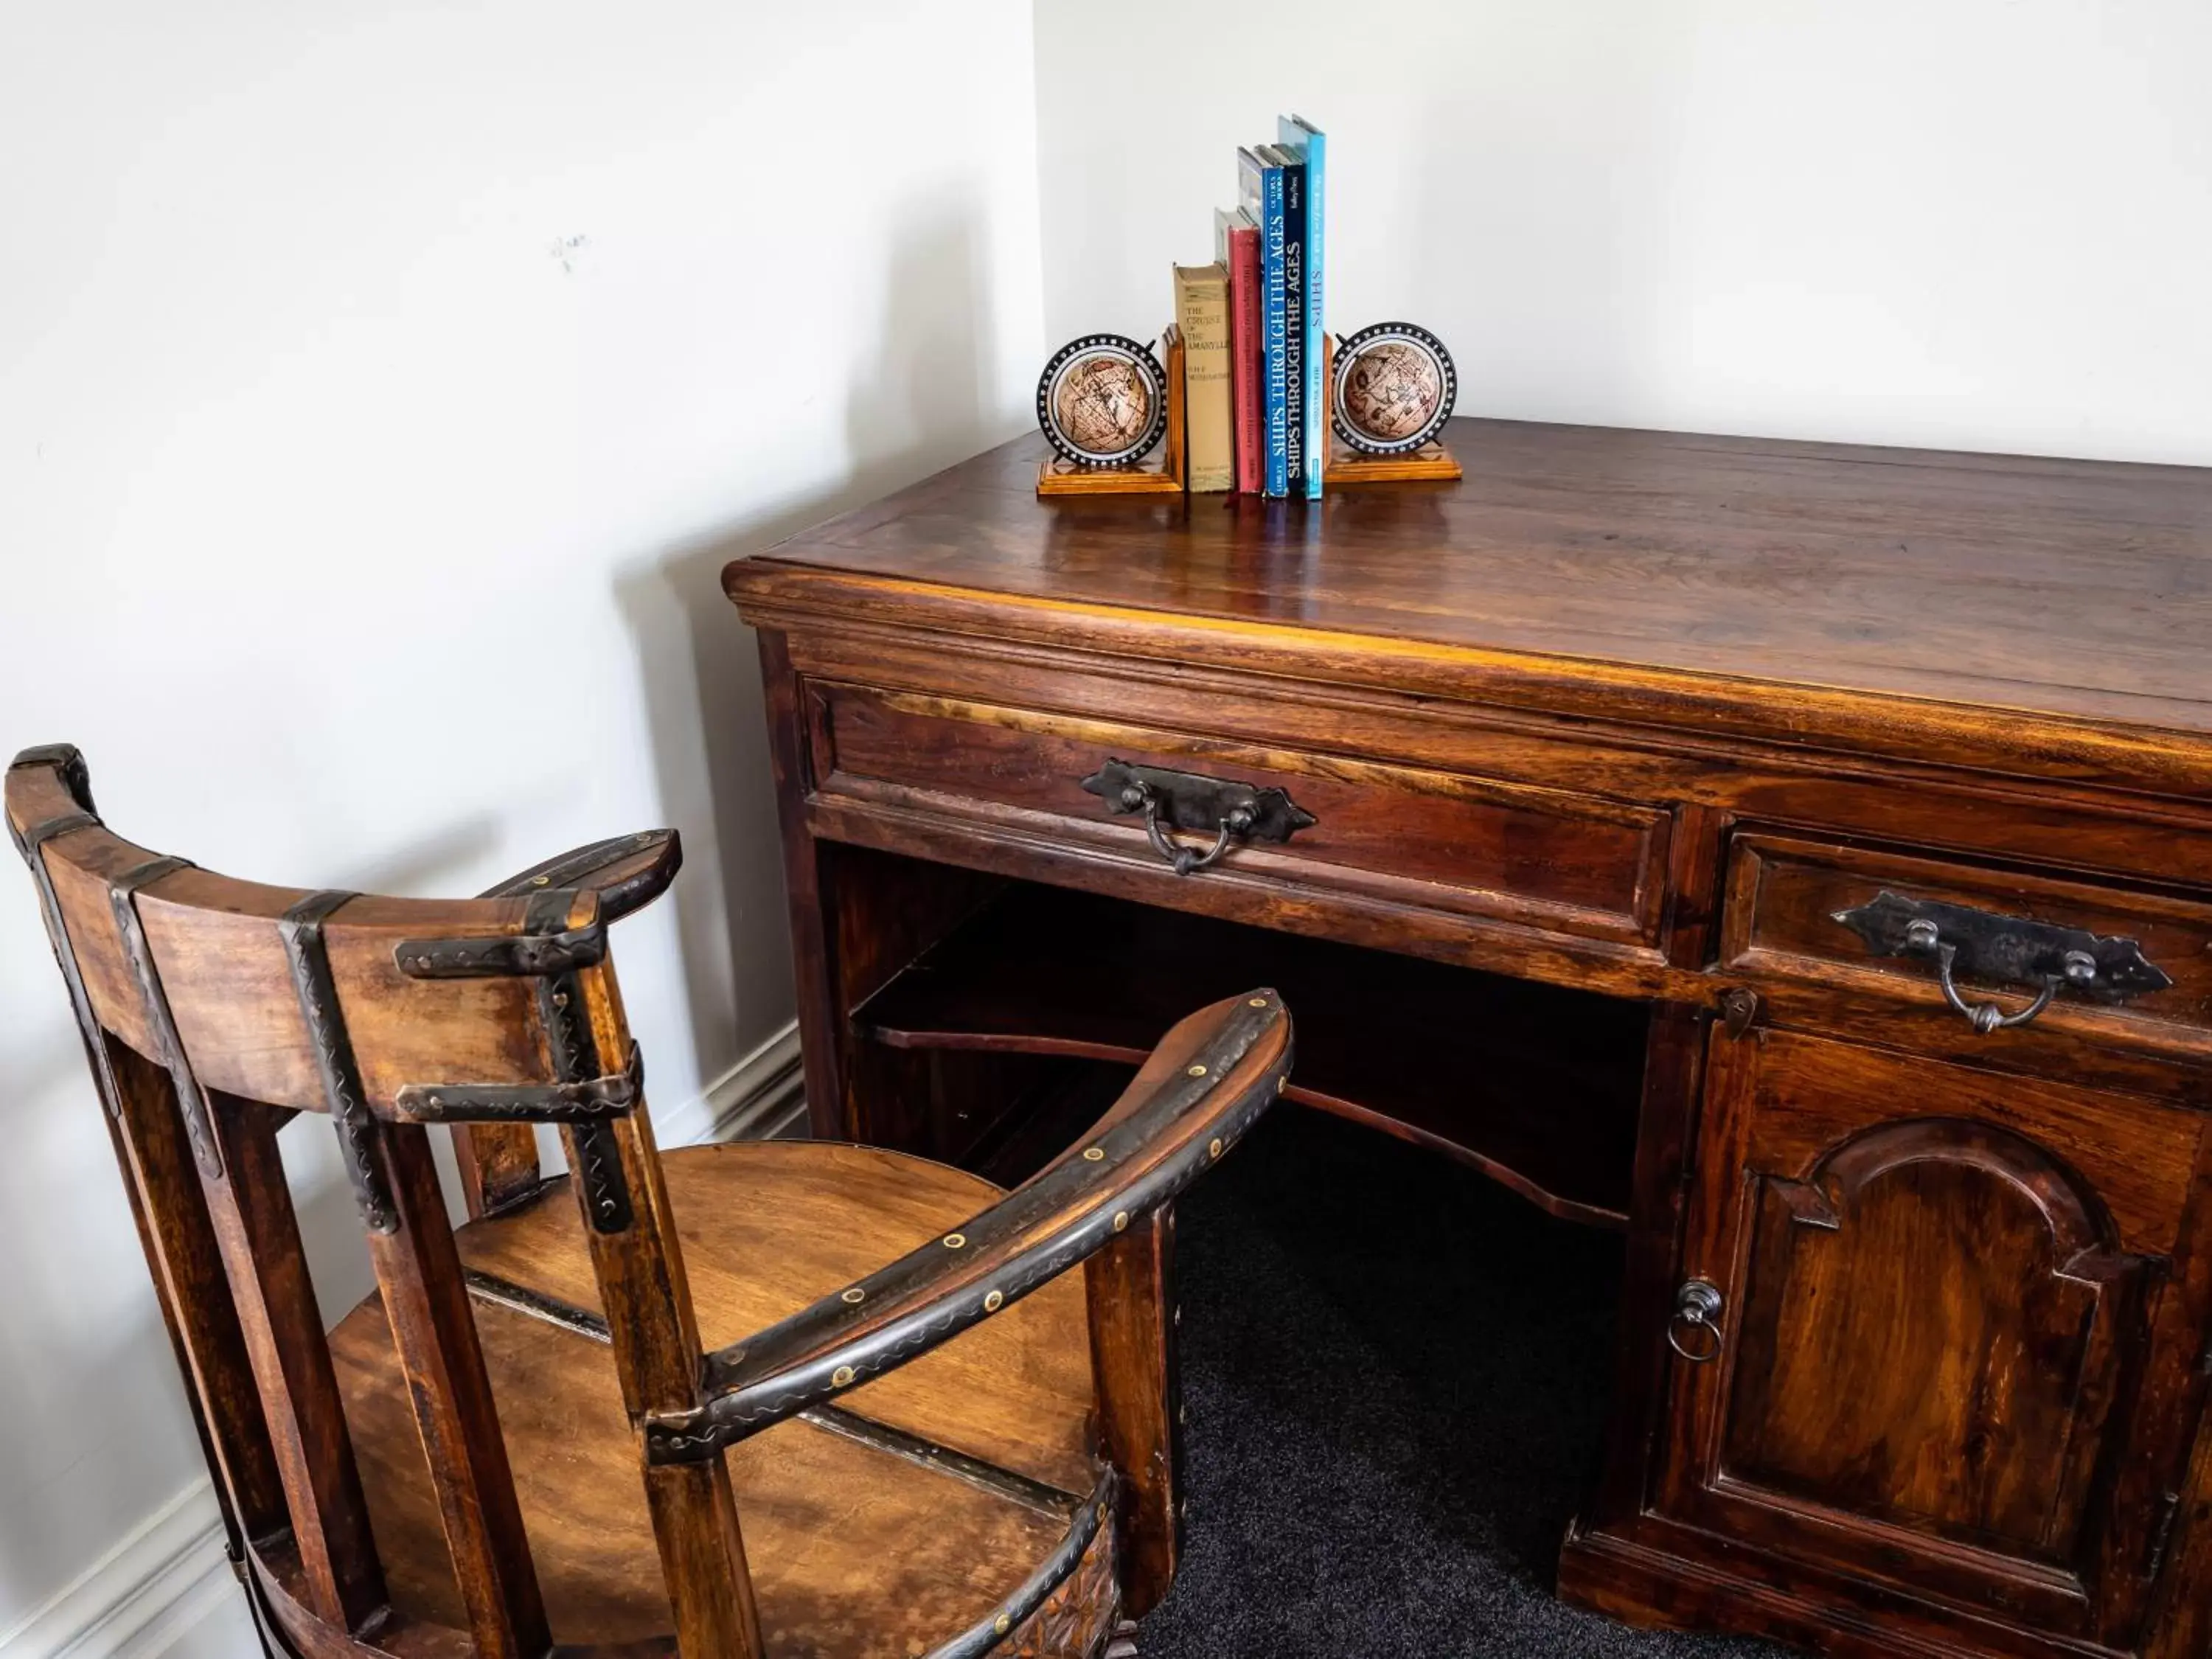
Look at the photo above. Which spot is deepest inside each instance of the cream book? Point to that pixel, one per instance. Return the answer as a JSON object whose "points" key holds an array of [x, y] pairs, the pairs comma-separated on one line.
{"points": [[1201, 311]]}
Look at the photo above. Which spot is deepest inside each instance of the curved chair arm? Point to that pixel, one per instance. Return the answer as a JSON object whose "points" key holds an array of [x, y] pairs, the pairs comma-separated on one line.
{"points": [[627, 871], [1207, 1083], [622, 874]]}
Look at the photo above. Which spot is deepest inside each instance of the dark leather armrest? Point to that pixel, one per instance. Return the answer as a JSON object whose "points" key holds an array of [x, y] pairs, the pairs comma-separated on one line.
{"points": [[1205, 1084], [627, 873]]}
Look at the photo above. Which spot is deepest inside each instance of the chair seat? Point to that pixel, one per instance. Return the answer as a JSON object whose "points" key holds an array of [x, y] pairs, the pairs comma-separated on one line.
{"points": [[862, 1539]]}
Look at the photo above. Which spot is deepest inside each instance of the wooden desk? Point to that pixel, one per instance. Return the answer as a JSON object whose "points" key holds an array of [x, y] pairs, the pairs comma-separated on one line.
{"points": [[1597, 746]]}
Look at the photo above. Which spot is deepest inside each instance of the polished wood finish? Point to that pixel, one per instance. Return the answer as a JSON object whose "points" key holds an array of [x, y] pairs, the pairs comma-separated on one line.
{"points": [[1784, 892], [258, 1234], [1454, 844], [1617, 722], [1937, 1280], [1132, 1360], [520, 1443], [849, 1548]]}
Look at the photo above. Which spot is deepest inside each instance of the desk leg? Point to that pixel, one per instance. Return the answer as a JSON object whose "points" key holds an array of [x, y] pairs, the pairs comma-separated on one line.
{"points": [[820, 1015], [1674, 1076], [858, 917]]}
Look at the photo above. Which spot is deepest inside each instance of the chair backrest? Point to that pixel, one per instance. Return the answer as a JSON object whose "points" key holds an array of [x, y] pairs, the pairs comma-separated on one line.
{"points": [[213, 1012]]}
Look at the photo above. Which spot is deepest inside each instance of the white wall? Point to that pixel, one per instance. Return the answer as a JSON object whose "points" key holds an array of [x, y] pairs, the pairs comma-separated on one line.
{"points": [[382, 388], [1984, 223], [381, 391]]}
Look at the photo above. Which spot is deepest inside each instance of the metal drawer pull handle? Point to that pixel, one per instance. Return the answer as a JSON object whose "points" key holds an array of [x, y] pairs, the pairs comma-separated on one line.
{"points": [[1231, 812], [1925, 938], [1185, 859], [1697, 1308], [2041, 958]]}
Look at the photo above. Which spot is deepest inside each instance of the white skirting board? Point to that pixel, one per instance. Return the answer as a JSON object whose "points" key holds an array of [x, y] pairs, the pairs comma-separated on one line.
{"points": [[166, 1592], [162, 1579]]}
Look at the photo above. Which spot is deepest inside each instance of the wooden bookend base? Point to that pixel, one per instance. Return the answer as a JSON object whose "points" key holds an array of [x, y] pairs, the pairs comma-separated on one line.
{"points": [[1347, 465], [1163, 476]]}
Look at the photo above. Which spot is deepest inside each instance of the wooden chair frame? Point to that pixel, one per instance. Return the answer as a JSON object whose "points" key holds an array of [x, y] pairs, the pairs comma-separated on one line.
{"points": [[213, 1010]]}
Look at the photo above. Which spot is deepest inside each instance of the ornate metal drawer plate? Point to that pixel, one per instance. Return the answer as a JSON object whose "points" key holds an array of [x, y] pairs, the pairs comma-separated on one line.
{"points": [[1231, 811], [2003, 949]]}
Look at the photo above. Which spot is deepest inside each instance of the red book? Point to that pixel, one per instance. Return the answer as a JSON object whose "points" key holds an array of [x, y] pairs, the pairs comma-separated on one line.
{"points": [[1237, 245]]}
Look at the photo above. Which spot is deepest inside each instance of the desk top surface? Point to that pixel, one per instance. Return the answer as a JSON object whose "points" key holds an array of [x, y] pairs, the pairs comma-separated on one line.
{"points": [[2072, 590]]}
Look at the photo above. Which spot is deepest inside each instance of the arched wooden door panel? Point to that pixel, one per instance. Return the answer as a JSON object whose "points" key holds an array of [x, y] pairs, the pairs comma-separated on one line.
{"points": [[1927, 1337], [1940, 1290]]}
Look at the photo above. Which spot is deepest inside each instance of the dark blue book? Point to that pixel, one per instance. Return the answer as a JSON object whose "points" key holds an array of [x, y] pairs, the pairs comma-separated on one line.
{"points": [[1260, 185], [1296, 435]]}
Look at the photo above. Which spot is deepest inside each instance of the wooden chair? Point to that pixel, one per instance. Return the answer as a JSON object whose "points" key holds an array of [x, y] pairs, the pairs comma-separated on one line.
{"points": [[520, 1445]]}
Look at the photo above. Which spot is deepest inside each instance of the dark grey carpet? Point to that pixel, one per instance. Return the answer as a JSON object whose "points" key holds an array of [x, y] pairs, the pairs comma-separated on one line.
{"points": [[1397, 1376]]}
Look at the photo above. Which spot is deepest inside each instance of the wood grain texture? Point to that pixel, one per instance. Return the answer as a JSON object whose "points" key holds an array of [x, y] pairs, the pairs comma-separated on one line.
{"points": [[645, 1292], [1785, 892], [767, 1227], [188, 1265], [1936, 1325], [1856, 597], [1625, 715], [1210, 1078], [441, 1373], [1132, 1359], [853, 1553], [250, 1205], [1578, 863]]}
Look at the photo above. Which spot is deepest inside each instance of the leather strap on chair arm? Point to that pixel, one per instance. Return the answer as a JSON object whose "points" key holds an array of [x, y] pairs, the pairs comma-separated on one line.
{"points": [[1207, 1083]]}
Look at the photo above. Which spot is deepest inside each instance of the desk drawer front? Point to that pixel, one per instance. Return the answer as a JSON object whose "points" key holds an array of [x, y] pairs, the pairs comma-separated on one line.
{"points": [[2134, 965], [1442, 841]]}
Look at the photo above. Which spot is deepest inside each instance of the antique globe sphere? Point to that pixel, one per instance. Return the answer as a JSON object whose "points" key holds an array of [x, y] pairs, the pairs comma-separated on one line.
{"points": [[1394, 389]]}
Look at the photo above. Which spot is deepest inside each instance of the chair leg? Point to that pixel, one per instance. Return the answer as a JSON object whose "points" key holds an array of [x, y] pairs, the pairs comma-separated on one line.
{"points": [[1132, 1362]]}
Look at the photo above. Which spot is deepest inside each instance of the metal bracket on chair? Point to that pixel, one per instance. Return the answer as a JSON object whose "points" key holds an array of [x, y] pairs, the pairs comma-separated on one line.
{"points": [[504, 955], [161, 1022], [589, 1101], [301, 928], [594, 1154]]}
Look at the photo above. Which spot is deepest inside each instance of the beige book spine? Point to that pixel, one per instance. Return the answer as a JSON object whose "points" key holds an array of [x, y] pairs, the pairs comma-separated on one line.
{"points": [[1201, 310]]}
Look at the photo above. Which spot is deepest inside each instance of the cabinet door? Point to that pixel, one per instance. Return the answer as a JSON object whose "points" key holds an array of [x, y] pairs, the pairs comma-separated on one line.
{"points": [[1954, 1337]]}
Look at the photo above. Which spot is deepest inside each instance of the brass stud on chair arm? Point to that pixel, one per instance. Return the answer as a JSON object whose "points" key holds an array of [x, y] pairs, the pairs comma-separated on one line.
{"points": [[767, 1381]]}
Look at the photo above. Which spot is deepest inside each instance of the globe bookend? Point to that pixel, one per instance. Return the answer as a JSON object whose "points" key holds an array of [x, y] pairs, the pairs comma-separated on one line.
{"points": [[1104, 403], [1390, 389]]}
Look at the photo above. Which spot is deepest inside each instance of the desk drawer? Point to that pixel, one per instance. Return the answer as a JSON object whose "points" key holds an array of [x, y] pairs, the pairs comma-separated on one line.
{"points": [[1439, 841], [1810, 909]]}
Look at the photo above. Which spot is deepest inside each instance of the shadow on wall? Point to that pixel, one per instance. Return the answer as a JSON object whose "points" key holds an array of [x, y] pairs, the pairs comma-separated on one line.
{"points": [[927, 397]]}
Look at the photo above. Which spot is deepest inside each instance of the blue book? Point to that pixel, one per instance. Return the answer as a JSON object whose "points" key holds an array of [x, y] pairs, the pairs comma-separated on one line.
{"points": [[1294, 312], [1301, 136], [1260, 186]]}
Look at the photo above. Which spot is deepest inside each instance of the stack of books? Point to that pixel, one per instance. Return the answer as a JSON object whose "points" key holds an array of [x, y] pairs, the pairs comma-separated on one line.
{"points": [[1256, 410]]}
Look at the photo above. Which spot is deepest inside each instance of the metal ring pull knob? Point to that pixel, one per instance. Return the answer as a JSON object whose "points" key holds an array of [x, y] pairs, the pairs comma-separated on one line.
{"points": [[1922, 936], [1230, 827], [1697, 1309]]}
